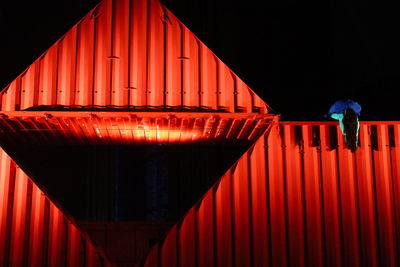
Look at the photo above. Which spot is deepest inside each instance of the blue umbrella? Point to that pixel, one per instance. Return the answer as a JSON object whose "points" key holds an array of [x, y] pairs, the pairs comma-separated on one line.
{"points": [[341, 105]]}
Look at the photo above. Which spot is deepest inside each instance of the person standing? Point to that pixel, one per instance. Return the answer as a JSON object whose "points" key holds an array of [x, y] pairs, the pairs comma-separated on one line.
{"points": [[347, 113]]}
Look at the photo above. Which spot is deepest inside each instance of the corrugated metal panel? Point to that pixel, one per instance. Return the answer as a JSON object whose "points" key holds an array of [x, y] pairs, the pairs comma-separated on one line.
{"points": [[132, 53], [125, 243], [33, 231], [63, 127], [298, 197]]}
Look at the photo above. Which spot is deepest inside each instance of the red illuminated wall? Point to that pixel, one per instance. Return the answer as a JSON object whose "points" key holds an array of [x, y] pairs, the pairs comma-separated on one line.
{"points": [[33, 231], [125, 55], [130, 53], [298, 198]]}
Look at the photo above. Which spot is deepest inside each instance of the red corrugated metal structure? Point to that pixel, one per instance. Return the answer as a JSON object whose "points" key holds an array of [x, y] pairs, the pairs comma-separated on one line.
{"points": [[129, 128], [130, 73], [130, 54], [298, 197], [34, 231]]}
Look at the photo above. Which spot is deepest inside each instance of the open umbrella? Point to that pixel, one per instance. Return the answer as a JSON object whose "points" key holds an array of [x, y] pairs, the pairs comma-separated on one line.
{"points": [[341, 105]]}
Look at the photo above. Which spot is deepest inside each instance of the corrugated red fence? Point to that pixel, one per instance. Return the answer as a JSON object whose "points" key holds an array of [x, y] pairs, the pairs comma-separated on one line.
{"points": [[298, 198], [33, 231]]}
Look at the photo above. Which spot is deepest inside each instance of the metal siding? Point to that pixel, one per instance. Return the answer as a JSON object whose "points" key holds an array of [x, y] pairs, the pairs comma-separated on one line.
{"points": [[365, 184], [129, 128], [155, 55], [66, 69], [241, 214], [36, 239], [7, 179], [298, 198], [19, 214], [384, 198], [84, 64], [33, 231], [125, 243], [120, 49], [223, 222], [242, 97], [332, 211], [209, 76], [395, 157], [9, 96], [190, 68], [139, 44], [313, 194], [73, 244], [102, 51], [276, 198], [225, 88], [30, 86], [152, 258], [259, 209], [205, 231], [294, 197], [348, 198], [48, 76], [173, 60], [169, 251], [56, 237], [187, 240], [130, 53]]}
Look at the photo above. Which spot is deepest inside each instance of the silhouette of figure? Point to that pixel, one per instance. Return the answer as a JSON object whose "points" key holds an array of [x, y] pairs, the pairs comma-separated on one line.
{"points": [[347, 112]]}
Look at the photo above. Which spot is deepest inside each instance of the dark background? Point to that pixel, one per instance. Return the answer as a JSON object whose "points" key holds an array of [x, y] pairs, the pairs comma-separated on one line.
{"points": [[299, 56]]}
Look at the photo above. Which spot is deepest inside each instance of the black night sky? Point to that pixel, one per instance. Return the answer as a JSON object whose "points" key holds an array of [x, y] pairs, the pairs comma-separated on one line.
{"points": [[299, 56]]}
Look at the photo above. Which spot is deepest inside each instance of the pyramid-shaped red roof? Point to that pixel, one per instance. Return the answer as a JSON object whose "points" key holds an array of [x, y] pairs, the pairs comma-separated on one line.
{"points": [[130, 54]]}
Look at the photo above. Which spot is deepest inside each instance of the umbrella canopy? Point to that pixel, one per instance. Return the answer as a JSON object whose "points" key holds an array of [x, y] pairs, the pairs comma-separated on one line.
{"points": [[341, 105]]}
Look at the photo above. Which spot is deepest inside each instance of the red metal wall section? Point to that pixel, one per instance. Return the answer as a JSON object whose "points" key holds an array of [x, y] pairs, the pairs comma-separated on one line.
{"points": [[33, 231], [131, 53], [298, 198]]}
